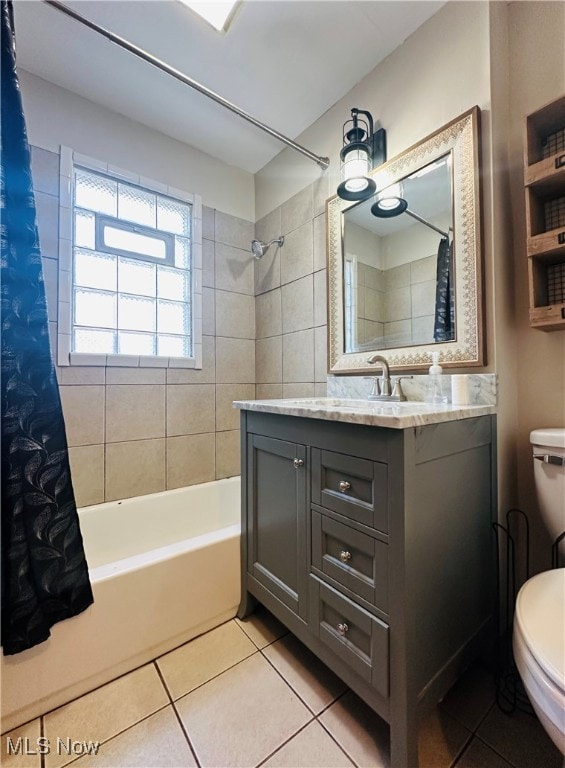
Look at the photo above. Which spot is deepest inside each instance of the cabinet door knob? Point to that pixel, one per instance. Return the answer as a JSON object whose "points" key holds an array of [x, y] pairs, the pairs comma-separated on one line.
{"points": [[345, 556], [344, 486], [298, 463], [342, 629]]}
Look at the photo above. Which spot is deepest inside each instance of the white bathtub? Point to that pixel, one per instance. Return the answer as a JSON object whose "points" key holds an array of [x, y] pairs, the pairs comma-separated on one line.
{"points": [[164, 568]]}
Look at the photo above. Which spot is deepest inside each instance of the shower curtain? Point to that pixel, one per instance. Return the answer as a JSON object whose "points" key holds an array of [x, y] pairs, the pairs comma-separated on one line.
{"points": [[444, 321], [44, 570]]}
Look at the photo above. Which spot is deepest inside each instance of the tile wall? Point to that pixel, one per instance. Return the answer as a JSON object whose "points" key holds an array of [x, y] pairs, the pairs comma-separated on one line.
{"points": [[290, 298], [133, 431]]}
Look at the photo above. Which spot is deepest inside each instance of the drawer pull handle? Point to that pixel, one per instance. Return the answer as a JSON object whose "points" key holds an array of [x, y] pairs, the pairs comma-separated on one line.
{"points": [[345, 556], [298, 463], [342, 629], [559, 162], [561, 238], [344, 486]]}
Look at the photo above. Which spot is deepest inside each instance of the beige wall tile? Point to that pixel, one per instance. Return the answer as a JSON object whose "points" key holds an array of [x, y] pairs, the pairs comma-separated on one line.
{"points": [[208, 271], [268, 391], [135, 412], [191, 459], [83, 409], [423, 269], [374, 331], [321, 191], [397, 333], [81, 374], [45, 171], [208, 222], [398, 304], [298, 305], [320, 298], [87, 472], [234, 268], [227, 454], [134, 468], [298, 253], [267, 270], [423, 329], [235, 315], [205, 375], [268, 358], [374, 278], [29, 731], [320, 248], [297, 210], [208, 312], [232, 230], [190, 409], [268, 314], [397, 277], [374, 307], [298, 356], [227, 417], [423, 298], [270, 226], [235, 361], [47, 209], [135, 376], [320, 390], [50, 269], [106, 711], [298, 390], [320, 353]]}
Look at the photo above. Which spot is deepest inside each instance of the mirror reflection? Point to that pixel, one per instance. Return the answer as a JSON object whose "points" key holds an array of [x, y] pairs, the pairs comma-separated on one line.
{"points": [[398, 263]]}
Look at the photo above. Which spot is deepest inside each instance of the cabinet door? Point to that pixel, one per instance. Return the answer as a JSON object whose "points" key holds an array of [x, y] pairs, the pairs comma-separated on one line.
{"points": [[276, 518]]}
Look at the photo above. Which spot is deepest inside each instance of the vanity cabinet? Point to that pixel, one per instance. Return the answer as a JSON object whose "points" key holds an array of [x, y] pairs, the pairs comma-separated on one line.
{"points": [[374, 546], [544, 179]]}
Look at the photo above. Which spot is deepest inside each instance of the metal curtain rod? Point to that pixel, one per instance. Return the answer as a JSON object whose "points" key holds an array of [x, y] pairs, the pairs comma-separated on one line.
{"points": [[323, 162], [427, 223]]}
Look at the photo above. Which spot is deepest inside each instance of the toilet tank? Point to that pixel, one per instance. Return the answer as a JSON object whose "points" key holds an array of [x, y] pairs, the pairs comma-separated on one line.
{"points": [[549, 475]]}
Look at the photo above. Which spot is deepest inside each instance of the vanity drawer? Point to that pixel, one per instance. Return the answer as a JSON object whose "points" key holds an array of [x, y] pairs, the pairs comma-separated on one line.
{"points": [[355, 560], [359, 639], [350, 486]]}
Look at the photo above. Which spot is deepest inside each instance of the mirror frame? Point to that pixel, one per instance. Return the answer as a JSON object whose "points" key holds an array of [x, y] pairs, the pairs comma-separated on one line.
{"points": [[461, 137]]}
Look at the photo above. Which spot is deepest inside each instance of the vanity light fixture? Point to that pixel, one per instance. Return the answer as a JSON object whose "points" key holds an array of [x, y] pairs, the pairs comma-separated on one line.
{"points": [[363, 149], [389, 202]]}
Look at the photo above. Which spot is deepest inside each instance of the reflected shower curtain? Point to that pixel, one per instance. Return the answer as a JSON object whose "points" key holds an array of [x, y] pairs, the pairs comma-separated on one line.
{"points": [[44, 571], [444, 321]]}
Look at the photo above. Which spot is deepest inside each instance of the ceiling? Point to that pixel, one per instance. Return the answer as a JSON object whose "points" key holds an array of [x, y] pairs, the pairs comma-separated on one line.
{"points": [[285, 62]]}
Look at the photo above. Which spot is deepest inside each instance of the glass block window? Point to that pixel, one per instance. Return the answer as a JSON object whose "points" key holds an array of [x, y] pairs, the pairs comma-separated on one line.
{"points": [[131, 269]]}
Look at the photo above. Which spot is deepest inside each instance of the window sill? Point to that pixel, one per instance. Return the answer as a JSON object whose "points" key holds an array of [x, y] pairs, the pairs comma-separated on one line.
{"points": [[131, 361]]}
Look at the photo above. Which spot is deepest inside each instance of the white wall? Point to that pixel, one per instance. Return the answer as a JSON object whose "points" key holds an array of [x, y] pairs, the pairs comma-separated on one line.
{"points": [[55, 116]]}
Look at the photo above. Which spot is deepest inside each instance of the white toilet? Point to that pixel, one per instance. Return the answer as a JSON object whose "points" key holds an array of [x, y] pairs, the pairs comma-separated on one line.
{"points": [[539, 620]]}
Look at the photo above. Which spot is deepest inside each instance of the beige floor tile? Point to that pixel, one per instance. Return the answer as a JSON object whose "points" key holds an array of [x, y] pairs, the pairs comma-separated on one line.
{"points": [[471, 697], [262, 627], [478, 755], [25, 738], [257, 711], [198, 661], [361, 733], [316, 685], [520, 739], [157, 742], [106, 711], [311, 748], [441, 739]]}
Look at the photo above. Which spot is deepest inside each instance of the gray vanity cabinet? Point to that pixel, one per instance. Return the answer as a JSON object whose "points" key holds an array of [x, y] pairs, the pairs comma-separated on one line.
{"points": [[374, 546]]}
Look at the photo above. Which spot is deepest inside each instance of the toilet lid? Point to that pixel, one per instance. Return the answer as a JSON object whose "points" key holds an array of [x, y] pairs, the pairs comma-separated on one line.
{"points": [[540, 613]]}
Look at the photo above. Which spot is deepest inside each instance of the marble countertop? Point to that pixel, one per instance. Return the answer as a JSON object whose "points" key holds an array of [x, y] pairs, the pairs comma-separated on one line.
{"points": [[373, 413]]}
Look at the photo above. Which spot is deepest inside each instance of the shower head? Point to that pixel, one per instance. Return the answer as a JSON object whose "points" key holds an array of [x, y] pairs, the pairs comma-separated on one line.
{"points": [[259, 248]]}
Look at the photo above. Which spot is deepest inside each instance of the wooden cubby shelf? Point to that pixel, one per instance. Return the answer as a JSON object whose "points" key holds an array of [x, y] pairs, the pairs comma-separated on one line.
{"points": [[544, 180]]}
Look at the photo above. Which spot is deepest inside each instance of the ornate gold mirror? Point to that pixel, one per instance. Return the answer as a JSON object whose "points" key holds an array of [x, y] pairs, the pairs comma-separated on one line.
{"points": [[404, 266]]}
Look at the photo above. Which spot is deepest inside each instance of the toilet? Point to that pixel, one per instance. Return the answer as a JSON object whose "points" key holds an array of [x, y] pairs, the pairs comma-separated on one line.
{"points": [[539, 619]]}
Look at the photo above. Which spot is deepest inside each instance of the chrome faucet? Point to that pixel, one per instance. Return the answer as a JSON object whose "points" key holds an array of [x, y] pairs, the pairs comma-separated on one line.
{"points": [[382, 386]]}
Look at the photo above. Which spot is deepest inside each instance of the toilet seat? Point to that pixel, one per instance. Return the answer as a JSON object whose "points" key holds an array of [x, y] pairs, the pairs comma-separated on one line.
{"points": [[539, 648]]}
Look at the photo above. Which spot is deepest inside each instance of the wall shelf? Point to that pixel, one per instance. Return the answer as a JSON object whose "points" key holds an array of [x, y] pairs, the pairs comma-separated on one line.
{"points": [[544, 180]]}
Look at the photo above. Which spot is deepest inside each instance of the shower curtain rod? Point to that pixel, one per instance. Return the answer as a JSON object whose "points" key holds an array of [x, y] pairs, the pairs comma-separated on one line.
{"points": [[323, 162], [427, 223]]}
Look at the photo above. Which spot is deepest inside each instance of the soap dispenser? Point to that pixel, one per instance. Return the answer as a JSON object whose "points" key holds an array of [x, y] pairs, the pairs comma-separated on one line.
{"points": [[434, 392]]}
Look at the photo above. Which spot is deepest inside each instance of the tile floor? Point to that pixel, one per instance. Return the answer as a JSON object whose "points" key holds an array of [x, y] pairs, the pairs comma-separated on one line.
{"points": [[249, 694]]}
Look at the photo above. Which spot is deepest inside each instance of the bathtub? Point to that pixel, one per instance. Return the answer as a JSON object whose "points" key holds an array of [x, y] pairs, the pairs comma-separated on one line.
{"points": [[164, 568]]}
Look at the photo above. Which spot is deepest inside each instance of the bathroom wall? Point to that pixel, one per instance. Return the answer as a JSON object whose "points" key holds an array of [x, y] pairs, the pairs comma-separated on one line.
{"points": [[537, 76], [133, 431]]}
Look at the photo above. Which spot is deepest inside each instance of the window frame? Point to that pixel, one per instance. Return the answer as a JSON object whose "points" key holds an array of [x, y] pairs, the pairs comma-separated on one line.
{"points": [[65, 356]]}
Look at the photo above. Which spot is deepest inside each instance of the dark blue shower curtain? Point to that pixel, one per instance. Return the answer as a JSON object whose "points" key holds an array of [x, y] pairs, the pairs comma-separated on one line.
{"points": [[444, 321], [44, 571]]}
